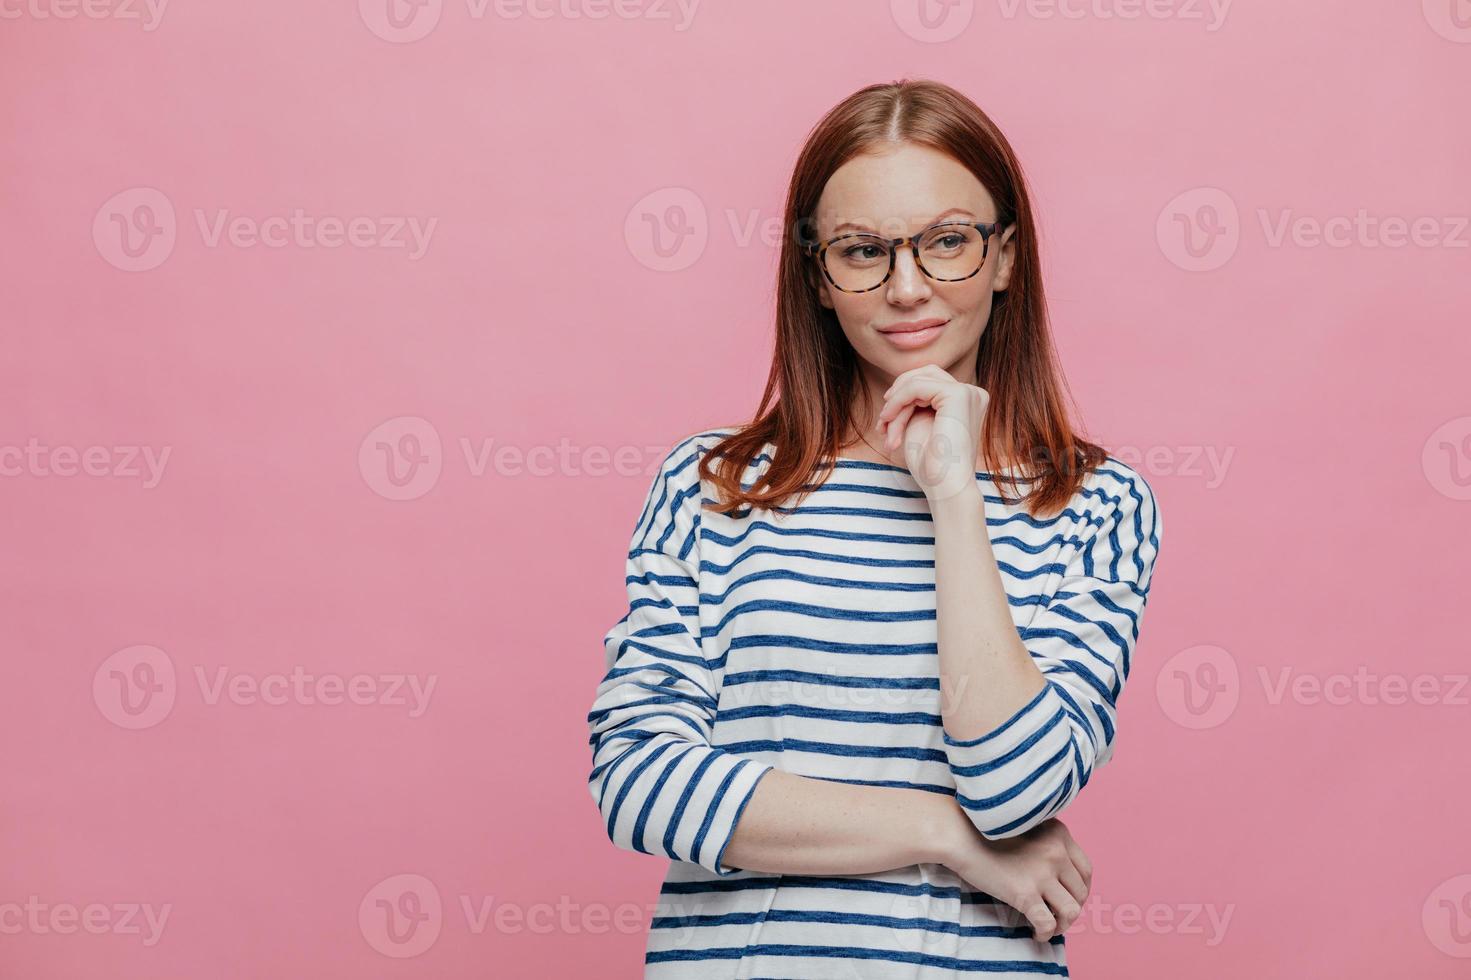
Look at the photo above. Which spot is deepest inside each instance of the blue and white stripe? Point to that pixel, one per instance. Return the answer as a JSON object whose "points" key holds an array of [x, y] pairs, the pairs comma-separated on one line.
{"points": [[803, 638]]}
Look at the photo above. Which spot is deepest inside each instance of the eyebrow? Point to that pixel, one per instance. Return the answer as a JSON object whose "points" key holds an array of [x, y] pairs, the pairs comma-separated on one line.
{"points": [[935, 220]]}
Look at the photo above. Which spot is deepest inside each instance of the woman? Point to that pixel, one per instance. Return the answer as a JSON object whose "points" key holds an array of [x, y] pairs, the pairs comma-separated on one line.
{"points": [[876, 637]]}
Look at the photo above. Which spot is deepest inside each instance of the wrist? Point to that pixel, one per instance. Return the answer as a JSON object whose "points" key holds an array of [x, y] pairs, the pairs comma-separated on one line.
{"points": [[941, 834], [968, 502]]}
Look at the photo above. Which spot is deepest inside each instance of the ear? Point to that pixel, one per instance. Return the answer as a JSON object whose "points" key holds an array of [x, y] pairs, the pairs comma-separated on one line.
{"points": [[1005, 258], [819, 283], [824, 295]]}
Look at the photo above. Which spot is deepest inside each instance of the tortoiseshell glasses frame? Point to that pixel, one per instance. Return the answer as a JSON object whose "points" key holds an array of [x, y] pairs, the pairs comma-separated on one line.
{"points": [[818, 250]]}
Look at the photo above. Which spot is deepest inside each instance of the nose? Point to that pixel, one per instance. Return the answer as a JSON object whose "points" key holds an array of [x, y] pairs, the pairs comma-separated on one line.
{"points": [[908, 285]]}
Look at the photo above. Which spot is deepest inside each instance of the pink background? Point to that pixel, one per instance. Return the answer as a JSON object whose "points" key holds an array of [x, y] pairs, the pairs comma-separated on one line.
{"points": [[1327, 381]]}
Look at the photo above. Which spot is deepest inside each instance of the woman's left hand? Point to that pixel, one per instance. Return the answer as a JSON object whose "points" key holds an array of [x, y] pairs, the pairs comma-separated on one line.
{"points": [[938, 421]]}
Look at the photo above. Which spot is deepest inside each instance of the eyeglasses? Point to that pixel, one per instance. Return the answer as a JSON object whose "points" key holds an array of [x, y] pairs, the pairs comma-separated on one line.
{"points": [[948, 251]]}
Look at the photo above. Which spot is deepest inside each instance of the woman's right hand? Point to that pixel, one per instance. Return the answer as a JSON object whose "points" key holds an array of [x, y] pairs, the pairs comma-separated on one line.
{"points": [[1043, 873]]}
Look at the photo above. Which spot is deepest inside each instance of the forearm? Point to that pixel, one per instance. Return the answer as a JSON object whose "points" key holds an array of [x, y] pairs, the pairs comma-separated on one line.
{"points": [[982, 658], [802, 825]]}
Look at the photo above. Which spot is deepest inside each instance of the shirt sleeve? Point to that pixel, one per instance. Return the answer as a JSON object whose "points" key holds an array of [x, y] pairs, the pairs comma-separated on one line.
{"points": [[1032, 765], [659, 783]]}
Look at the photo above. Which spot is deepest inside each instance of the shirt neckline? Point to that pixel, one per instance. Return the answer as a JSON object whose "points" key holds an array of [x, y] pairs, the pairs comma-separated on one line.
{"points": [[853, 463]]}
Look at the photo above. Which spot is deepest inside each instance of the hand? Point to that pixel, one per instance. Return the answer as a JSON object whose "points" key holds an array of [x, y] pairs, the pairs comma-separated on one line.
{"points": [[1043, 873], [938, 421]]}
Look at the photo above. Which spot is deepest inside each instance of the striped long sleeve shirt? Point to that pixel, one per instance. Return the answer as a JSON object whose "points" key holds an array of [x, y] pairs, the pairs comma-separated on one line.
{"points": [[803, 638]]}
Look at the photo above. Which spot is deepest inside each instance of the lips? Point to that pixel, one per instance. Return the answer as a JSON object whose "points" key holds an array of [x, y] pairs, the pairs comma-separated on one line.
{"points": [[913, 334], [911, 326]]}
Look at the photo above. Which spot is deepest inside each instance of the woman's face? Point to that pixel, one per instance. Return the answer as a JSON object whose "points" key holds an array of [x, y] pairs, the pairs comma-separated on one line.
{"points": [[899, 192]]}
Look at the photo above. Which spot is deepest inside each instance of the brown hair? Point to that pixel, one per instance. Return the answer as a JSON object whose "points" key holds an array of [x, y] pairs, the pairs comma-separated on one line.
{"points": [[808, 403]]}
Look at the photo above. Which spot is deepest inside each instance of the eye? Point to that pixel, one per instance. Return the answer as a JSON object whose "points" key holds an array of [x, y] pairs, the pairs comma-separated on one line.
{"points": [[865, 251]]}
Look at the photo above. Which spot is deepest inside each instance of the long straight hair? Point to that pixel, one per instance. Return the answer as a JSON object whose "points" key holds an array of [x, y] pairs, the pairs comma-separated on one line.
{"points": [[808, 403]]}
